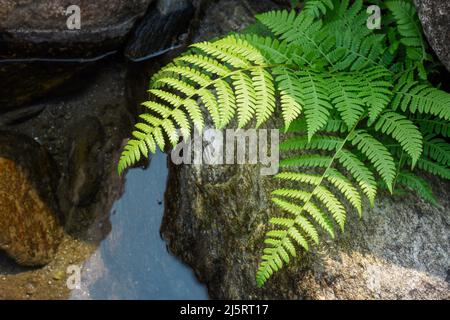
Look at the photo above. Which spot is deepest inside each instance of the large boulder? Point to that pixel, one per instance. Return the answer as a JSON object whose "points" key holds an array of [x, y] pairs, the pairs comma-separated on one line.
{"points": [[435, 18], [216, 220], [30, 229], [38, 52], [40, 28]]}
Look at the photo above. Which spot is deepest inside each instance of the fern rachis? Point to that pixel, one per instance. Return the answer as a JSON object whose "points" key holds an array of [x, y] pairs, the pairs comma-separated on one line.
{"points": [[355, 103]]}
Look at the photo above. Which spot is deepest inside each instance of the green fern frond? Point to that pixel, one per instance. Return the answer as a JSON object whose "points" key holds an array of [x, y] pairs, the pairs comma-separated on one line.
{"points": [[318, 203], [418, 185], [433, 126], [420, 98], [434, 168], [225, 77], [306, 161], [345, 93], [376, 91], [302, 31], [344, 90], [409, 28], [437, 149], [315, 97], [360, 173], [320, 142], [377, 153], [291, 95], [316, 8], [404, 131], [345, 186]]}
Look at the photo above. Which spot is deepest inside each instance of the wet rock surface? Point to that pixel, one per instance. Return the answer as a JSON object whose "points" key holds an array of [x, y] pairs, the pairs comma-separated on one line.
{"points": [[83, 132], [40, 28], [435, 18], [87, 113], [26, 81], [38, 51], [165, 27], [30, 229]]}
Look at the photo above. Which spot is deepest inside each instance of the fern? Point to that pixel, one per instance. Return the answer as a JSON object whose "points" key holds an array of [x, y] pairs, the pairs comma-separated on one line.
{"points": [[417, 184], [357, 110], [409, 28]]}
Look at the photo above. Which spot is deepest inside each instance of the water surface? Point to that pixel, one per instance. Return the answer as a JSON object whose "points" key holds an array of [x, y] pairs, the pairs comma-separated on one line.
{"points": [[133, 262]]}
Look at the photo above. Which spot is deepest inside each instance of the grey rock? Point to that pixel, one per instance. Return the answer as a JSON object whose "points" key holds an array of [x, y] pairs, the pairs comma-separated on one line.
{"points": [[164, 27], [217, 216], [224, 16], [30, 229], [39, 28], [38, 53], [435, 18]]}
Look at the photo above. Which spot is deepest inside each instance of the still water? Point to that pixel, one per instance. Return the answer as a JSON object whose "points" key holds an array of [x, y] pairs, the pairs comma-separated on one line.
{"points": [[133, 261]]}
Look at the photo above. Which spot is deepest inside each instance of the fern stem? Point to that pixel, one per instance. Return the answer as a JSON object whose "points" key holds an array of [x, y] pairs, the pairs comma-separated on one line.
{"points": [[400, 165], [229, 75], [318, 185]]}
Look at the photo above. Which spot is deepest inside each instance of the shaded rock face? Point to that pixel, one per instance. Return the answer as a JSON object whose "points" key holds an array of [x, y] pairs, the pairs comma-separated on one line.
{"points": [[36, 28], [30, 230], [224, 16], [84, 131], [164, 28], [85, 159], [435, 18], [24, 82], [33, 33]]}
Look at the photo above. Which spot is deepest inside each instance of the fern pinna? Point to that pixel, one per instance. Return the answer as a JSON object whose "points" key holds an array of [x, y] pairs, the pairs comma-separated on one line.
{"points": [[356, 105]]}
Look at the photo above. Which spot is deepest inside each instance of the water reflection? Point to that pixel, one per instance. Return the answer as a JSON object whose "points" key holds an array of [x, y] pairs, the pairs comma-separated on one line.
{"points": [[133, 262]]}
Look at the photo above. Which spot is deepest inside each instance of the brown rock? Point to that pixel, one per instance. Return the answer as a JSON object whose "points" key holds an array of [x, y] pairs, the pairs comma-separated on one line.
{"points": [[30, 230]]}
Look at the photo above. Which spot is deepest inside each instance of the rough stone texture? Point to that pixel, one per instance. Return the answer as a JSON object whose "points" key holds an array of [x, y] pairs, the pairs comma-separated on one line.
{"points": [[435, 18], [34, 28], [30, 230], [34, 33], [224, 16], [86, 162], [24, 82], [216, 219], [84, 131], [165, 27]]}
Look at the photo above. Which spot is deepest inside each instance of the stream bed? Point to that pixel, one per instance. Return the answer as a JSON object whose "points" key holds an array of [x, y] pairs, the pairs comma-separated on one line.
{"points": [[133, 262]]}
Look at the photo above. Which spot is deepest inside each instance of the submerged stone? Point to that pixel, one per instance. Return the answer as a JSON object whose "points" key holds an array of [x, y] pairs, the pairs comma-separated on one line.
{"points": [[30, 230]]}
